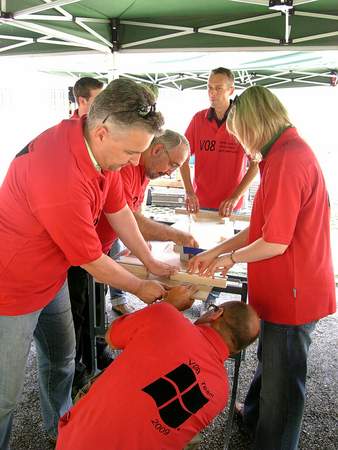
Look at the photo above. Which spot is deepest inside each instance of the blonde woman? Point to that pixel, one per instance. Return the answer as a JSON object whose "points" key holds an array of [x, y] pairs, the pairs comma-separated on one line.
{"points": [[290, 274]]}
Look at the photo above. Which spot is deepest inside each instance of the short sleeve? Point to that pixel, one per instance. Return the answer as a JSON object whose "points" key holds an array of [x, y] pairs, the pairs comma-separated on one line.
{"points": [[282, 190], [115, 200], [190, 134]]}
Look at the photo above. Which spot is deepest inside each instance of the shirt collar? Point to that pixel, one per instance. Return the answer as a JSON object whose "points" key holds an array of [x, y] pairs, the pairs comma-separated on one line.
{"points": [[211, 115], [267, 147], [215, 340], [92, 157]]}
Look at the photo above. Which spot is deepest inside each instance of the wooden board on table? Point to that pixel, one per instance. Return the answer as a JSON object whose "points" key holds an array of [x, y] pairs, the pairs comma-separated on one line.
{"points": [[198, 280], [165, 182], [202, 215], [141, 272], [205, 214], [208, 234]]}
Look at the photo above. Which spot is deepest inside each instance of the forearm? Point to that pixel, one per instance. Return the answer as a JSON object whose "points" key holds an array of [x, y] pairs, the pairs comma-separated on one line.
{"points": [[105, 270], [257, 251], [246, 180], [186, 178], [153, 231], [238, 241], [125, 225]]}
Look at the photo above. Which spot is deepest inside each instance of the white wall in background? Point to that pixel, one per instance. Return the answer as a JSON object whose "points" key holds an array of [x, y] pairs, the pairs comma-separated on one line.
{"points": [[29, 104]]}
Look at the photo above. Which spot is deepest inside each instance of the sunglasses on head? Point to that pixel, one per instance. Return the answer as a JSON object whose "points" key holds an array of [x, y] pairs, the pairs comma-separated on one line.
{"points": [[143, 111]]}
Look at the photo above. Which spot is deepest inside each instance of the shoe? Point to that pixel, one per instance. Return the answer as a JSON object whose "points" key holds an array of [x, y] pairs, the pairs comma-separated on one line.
{"points": [[239, 415], [122, 309], [239, 411], [52, 439], [194, 443]]}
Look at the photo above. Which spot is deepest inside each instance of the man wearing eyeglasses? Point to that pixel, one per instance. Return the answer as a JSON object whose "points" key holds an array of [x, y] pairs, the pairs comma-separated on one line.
{"points": [[221, 175], [165, 154], [50, 202]]}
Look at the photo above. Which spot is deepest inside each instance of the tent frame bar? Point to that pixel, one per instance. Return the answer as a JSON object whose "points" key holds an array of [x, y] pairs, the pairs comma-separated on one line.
{"points": [[43, 7]]}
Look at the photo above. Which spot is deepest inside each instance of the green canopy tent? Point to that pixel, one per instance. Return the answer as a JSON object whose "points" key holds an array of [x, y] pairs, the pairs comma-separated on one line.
{"points": [[111, 28], [37, 26]]}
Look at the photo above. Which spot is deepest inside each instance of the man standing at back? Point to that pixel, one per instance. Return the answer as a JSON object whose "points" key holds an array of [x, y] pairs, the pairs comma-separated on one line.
{"points": [[221, 175], [84, 91]]}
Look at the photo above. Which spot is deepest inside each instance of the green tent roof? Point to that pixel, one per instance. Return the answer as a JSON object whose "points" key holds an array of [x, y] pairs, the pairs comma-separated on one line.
{"points": [[110, 27], [41, 26]]}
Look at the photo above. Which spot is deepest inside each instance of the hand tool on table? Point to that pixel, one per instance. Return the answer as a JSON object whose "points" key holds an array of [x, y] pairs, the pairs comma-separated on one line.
{"points": [[188, 252]]}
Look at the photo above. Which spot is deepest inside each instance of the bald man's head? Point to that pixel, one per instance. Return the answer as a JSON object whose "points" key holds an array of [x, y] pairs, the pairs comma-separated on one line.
{"points": [[237, 323]]}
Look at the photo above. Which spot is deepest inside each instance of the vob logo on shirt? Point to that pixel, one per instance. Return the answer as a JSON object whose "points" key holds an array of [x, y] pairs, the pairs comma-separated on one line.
{"points": [[177, 395]]}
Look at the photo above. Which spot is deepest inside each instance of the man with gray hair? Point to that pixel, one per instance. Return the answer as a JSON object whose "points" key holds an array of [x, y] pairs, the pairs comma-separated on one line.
{"points": [[165, 154], [50, 201]]}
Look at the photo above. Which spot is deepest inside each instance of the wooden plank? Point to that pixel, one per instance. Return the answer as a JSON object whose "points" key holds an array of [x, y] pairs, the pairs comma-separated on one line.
{"points": [[141, 272], [240, 217], [198, 280], [202, 215], [202, 293], [205, 214], [165, 182]]}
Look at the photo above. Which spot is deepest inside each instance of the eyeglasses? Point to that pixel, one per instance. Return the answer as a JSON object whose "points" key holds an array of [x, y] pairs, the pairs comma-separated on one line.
{"points": [[173, 164], [212, 308], [233, 103], [143, 111]]}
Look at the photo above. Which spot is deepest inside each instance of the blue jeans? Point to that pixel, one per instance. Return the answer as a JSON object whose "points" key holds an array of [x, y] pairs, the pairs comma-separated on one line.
{"points": [[273, 408], [117, 297], [53, 332]]}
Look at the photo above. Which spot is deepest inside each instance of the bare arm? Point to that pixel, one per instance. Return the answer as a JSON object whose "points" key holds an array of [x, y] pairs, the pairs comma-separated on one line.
{"points": [[105, 270], [191, 201], [155, 231], [206, 258], [227, 206], [125, 225], [256, 251]]}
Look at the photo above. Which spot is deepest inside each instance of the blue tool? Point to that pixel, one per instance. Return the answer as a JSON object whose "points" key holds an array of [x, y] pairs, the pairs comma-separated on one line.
{"points": [[192, 250]]}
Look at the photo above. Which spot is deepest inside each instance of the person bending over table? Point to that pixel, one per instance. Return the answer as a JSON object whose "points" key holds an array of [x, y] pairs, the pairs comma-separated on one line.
{"points": [[290, 275], [50, 201], [168, 383], [165, 154]]}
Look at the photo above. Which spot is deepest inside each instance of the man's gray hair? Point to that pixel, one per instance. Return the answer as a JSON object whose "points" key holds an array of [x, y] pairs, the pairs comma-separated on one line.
{"points": [[124, 104], [171, 139]]}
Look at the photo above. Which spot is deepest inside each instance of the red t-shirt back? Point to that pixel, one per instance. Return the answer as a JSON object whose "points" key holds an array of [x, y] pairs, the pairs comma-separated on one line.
{"points": [[158, 393], [50, 202], [220, 161], [292, 207]]}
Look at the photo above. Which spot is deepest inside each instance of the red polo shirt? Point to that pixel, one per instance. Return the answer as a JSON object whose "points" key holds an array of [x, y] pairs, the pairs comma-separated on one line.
{"points": [[75, 114], [50, 202], [220, 161], [158, 393], [135, 183], [292, 207]]}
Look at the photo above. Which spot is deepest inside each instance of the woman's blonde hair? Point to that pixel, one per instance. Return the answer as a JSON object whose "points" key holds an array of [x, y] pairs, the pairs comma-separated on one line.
{"points": [[256, 117]]}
